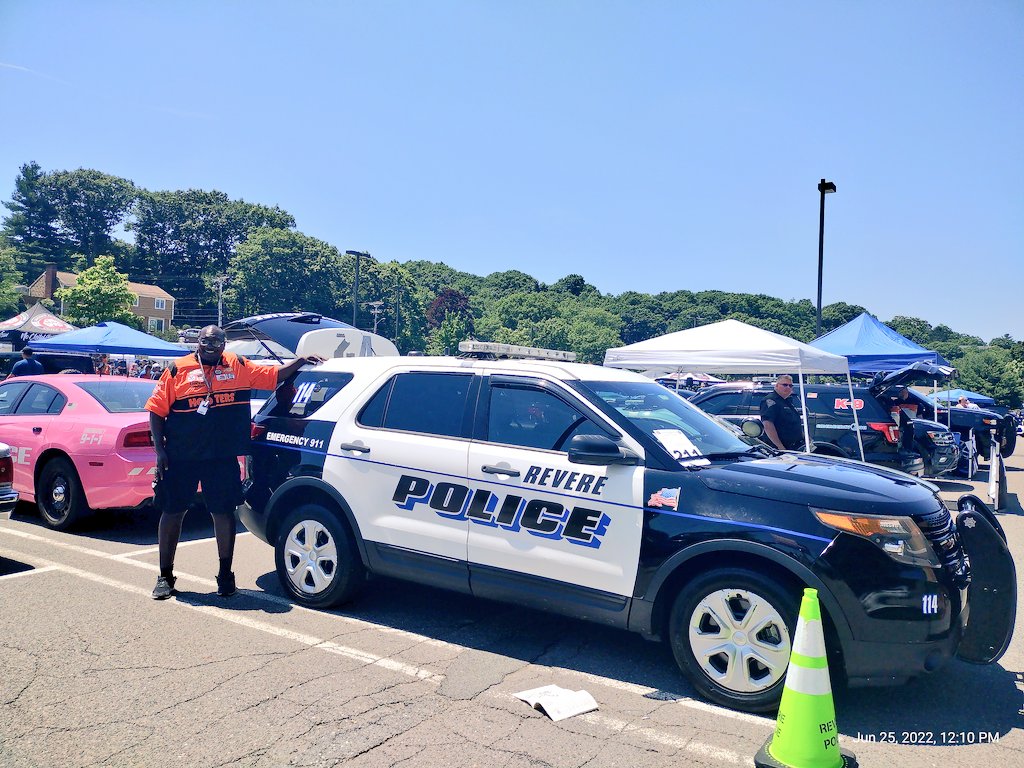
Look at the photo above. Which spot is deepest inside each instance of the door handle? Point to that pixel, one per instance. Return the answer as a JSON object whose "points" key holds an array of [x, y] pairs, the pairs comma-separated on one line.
{"points": [[36, 430], [354, 447], [499, 470]]}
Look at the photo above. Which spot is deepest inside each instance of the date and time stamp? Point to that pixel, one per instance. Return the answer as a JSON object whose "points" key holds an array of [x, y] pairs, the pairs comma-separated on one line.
{"points": [[930, 738]]}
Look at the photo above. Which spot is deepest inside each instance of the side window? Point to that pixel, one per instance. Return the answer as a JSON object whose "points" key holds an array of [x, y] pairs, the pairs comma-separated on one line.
{"points": [[39, 400], [9, 394], [533, 418], [305, 393], [372, 414], [728, 404], [430, 403]]}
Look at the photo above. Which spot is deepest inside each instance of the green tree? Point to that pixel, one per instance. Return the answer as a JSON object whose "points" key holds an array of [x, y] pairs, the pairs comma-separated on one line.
{"points": [[100, 293], [90, 204], [993, 372], [32, 230], [575, 285], [592, 332], [278, 270], [444, 340], [497, 285], [10, 300], [185, 239]]}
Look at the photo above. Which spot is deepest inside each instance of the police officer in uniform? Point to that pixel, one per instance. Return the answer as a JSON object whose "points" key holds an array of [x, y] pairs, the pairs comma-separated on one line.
{"points": [[781, 421]]}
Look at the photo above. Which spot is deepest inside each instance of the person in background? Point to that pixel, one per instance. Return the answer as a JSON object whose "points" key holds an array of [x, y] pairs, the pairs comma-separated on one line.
{"points": [[27, 366], [199, 416], [782, 425], [103, 366], [904, 408], [963, 402]]}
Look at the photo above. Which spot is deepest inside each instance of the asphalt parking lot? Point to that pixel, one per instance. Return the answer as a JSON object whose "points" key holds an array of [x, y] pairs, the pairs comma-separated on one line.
{"points": [[95, 673]]}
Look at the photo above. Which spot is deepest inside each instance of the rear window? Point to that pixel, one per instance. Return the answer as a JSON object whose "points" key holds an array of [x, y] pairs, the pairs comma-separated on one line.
{"points": [[305, 393], [119, 395], [835, 405]]}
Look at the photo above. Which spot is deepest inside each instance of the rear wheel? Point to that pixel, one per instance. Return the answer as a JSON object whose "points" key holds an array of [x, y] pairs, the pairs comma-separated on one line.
{"points": [[59, 495], [731, 633], [317, 560]]}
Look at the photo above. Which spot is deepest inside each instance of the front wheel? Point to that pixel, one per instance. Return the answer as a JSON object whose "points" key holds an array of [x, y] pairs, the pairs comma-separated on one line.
{"points": [[59, 495], [317, 560], [731, 633]]}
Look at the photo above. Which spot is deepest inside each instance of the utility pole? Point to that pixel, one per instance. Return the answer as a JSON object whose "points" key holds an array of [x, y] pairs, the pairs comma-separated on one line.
{"points": [[221, 279], [355, 284], [375, 310]]}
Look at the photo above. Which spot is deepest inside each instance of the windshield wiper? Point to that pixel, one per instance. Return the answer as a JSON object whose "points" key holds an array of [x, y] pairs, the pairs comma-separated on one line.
{"points": [[736, 454]]}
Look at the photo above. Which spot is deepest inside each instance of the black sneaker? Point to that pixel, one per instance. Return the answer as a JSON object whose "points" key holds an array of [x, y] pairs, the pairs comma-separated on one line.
{"points": [[226, 585], [164, 588]]}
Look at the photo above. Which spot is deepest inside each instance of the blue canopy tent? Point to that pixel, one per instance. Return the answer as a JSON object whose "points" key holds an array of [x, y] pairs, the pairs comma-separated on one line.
{"points": [[112, 339], [952, 395], [871, 346]]}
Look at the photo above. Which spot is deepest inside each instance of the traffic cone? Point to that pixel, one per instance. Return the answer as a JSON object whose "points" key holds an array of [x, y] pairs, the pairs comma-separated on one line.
{"points": [[805, 731]]}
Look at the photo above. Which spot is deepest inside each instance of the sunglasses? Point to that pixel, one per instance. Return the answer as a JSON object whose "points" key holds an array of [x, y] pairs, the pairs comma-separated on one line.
{"points": [[789, 386]]}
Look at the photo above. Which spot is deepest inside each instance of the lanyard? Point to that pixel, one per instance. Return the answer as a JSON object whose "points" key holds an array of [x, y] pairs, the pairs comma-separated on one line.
{"points": [[206, 381]]}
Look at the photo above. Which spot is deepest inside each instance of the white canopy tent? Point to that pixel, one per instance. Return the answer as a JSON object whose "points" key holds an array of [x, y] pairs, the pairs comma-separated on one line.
{"points": [[730, 346]]}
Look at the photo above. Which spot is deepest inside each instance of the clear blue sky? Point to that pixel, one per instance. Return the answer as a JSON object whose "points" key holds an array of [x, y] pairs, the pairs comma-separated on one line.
{"points": [[649, 146]]}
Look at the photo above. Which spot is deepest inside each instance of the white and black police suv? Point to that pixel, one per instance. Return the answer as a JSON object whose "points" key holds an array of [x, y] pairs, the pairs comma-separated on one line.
{"points": [[601, 495]]}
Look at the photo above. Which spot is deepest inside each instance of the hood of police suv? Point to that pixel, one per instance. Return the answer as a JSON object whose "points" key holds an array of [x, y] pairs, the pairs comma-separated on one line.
{"points": [[826, 482]]}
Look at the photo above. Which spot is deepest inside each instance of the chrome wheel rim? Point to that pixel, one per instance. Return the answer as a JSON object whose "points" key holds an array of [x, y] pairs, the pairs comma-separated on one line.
{"points": [[310, 557], [58, 501], [739, 640]]}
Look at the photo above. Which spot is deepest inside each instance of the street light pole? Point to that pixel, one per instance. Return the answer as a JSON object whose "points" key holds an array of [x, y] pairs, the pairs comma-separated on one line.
{"points": [[824, 188], [355, 284]]}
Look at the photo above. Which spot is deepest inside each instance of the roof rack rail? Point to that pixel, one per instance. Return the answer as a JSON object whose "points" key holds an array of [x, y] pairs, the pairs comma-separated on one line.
{"points": [[491, 350]]}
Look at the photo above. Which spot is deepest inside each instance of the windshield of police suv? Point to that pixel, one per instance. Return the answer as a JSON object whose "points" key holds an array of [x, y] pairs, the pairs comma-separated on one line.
{"points": [[683, 430]]}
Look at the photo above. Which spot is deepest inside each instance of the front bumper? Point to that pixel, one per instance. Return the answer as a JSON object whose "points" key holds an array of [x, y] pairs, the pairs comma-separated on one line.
{"points": [[943, 460], [8, 500]]}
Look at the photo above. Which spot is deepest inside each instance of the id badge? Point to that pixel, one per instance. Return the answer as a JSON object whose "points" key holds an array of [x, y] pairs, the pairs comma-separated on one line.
{"points": [[203, 406]]}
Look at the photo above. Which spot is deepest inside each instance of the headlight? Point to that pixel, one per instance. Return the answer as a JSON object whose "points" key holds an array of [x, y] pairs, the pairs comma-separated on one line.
{"points": [[990, 422], [898, 537]]}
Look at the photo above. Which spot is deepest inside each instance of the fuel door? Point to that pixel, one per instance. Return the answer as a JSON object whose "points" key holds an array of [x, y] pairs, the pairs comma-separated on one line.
{"points": [[992, 595]]}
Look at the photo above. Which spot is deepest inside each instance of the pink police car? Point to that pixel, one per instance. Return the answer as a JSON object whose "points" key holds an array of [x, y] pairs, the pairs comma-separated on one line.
{"points": [[78, 443]]}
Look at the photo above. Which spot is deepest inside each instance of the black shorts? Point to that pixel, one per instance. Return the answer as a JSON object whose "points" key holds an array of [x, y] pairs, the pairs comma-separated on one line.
{"points": [[220, 478]]}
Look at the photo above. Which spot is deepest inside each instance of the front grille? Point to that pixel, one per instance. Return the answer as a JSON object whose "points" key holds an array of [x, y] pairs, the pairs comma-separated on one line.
{"points": [[938, 528]]}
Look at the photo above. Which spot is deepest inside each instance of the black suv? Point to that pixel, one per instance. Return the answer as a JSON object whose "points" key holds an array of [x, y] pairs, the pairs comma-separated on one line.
{"points": [[931, 451], [53, 362], [960, 420]]}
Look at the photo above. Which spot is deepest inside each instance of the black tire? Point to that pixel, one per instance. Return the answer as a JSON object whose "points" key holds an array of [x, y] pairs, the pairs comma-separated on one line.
{"points": [[317, 560], [59, 495], [1009, 439], [734, 594]]}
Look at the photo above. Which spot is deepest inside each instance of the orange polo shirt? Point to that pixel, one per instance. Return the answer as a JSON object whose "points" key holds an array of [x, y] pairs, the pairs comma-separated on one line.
{"points": [[224, 429]]}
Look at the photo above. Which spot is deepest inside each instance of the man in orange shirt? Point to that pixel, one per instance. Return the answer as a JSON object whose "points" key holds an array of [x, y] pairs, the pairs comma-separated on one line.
{"points": [[200, 420]]}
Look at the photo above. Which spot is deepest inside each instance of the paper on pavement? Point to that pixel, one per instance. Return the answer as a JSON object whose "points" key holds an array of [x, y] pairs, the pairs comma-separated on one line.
{"points": [[558, 703]]}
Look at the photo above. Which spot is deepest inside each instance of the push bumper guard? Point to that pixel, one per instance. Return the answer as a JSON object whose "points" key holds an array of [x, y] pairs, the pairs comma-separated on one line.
{"points": [[992, 594]]}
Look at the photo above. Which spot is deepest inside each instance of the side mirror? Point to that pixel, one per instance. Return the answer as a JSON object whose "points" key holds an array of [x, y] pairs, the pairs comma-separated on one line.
{"points": [[752, 427], [599, 450]]}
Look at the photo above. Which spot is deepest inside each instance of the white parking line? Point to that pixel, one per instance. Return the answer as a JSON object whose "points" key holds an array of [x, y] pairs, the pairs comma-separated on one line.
{"points": [[707, 751], [639, 690], [29, 572], [261, 626], [151, 550]]}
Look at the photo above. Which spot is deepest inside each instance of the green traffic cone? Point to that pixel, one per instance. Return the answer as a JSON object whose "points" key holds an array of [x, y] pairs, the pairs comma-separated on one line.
{"points": [[806, 735]]}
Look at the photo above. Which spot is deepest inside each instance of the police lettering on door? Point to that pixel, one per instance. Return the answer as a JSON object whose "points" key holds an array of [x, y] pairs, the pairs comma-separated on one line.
{"points": [[538, 517]]}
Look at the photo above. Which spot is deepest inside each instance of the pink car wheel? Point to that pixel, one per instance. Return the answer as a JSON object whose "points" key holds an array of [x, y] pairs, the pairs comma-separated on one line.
{"points": [[59, 494]]}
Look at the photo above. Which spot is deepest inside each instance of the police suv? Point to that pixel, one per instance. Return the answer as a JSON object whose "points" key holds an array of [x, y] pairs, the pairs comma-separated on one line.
{"points": [[601, 495]]}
